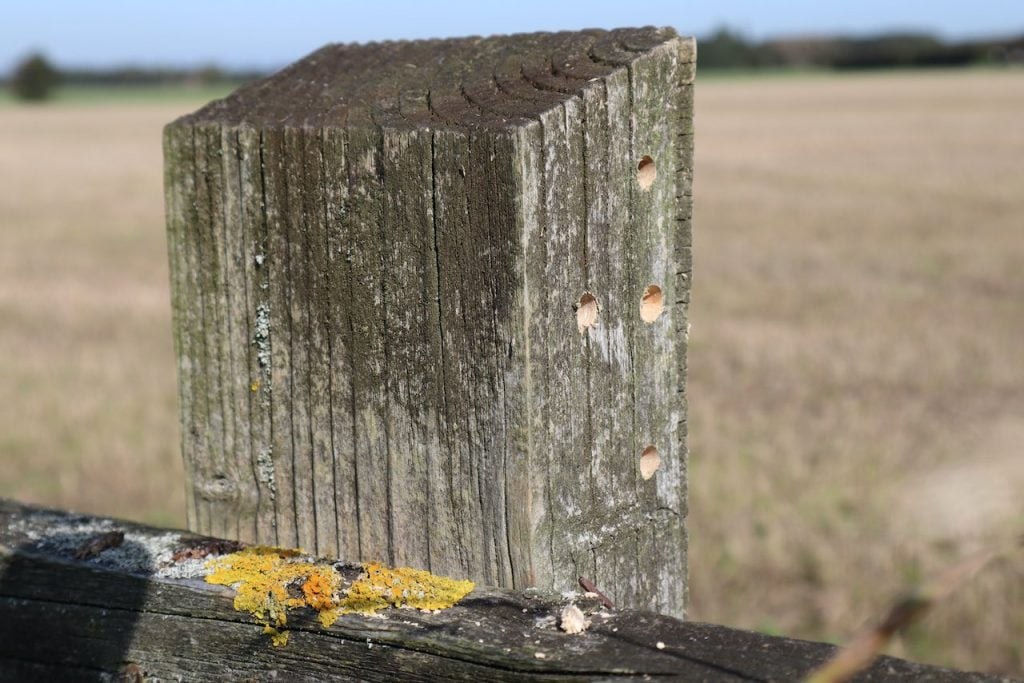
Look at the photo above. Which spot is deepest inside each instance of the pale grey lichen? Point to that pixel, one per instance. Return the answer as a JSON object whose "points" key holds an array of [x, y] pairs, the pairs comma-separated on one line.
{"points": [[261, 337], [545, 621], [265, 469], [141, 552]]}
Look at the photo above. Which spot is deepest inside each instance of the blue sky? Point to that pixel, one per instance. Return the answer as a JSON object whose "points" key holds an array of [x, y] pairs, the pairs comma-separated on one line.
{"points": [[258, 33]]}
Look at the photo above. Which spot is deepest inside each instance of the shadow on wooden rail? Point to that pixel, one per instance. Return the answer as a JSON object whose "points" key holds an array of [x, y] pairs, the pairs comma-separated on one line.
{"points": [[87, 598]]}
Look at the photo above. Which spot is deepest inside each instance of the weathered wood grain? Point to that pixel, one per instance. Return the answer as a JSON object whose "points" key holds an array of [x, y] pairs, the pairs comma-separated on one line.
{"points": [[611, 358], [122, 615], [376, 258], [340, 337]]}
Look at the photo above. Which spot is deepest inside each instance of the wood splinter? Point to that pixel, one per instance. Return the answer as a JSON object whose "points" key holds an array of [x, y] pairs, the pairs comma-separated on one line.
{"points": [[588, 586]]}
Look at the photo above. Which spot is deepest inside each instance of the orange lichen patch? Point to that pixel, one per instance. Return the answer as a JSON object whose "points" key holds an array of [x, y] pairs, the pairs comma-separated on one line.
{"points": [[269, 581], [262, 577], [319, 592]]}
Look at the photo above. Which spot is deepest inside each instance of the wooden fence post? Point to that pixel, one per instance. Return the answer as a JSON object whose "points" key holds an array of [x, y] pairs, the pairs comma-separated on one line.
{"points": [[430, 308]]}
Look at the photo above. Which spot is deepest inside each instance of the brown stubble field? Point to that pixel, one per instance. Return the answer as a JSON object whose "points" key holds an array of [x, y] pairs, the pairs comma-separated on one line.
{"points": [[856, 360]]}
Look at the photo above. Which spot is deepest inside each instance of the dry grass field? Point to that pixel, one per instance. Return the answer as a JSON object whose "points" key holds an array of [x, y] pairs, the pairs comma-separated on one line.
{"points": [[857, 358]]}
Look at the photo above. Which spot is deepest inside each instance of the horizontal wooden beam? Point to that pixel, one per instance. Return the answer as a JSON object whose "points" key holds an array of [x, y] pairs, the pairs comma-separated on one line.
{"points": [[84, 596]]}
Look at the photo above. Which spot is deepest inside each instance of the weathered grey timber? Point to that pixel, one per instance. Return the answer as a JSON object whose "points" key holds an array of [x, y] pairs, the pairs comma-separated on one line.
{"points": [[120, 614], [377, 256]]}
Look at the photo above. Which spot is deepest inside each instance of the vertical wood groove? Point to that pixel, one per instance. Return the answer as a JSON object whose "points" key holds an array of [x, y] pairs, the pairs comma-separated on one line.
{"points": [[631, 288], [266, 365], [234, 287], [208, 459], [279, 321], [229, 375], [298, 518], [310, 335], [222, 489], [442, 412], [331, 324], [542, 212], [362, 223], [244, 240], [318, 339], [178, 198], [346, 175], [388, 456]]}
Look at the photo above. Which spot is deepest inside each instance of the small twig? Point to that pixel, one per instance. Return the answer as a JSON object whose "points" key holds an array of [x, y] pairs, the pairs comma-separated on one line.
{"points": [[199, 548], [859, 654], [591, 588], [97, 544]]}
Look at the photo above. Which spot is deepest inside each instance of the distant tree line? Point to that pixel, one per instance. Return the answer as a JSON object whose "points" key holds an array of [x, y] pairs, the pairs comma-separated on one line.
{"points": [[131, 75], [728, 49], [34, 78]]}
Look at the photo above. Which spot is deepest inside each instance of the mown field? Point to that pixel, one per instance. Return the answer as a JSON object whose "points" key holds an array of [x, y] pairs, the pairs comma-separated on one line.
{"points": [[857, 350]]}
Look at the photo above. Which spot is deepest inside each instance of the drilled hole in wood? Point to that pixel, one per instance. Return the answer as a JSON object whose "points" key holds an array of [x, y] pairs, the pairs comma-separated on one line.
{"points": [[586, 312], [652, 303], [646, 172], [649, 462]]}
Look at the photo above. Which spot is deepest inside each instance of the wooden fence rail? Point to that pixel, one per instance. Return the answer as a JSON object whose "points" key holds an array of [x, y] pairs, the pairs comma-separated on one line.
{"points": [[89, 598]]}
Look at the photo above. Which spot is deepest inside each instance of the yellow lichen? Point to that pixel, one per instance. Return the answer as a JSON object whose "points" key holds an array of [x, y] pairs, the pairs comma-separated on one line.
{"points": [[278, 638], [262, 578], [270, 581], [402, 587]]}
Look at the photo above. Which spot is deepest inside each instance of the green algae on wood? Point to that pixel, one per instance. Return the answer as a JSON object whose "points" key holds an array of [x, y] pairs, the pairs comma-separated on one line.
{"points": [[269, 581]]}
